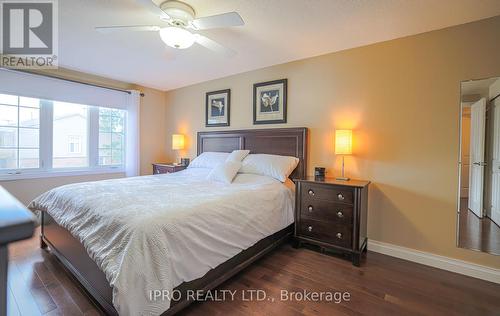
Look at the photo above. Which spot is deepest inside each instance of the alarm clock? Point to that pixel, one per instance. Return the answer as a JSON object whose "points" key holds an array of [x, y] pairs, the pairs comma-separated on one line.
{"points": [[319, 172]]}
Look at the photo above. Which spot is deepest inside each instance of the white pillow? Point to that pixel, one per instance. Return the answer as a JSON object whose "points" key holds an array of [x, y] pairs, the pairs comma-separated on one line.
{"points": [[224, 172], [208, 160], [238, 155], [278, 167]]}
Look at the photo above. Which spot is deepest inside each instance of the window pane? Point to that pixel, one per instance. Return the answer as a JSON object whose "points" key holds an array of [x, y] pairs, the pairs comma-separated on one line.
{"points": [[117, 141], [8, 115], [19, 144], [104, 160], [111, 136], [117, 124], [104, 123], [8, 99], [29, 117], [105, 152], [8, 136], [28, 158], [116, 112], [8, 158], [28, 138], [104, 111], [116, 157], [70, 120], [31, 102], [104, 140]]}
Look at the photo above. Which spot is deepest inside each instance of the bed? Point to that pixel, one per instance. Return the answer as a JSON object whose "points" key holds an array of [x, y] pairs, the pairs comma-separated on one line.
{"points": [[243, 251]]}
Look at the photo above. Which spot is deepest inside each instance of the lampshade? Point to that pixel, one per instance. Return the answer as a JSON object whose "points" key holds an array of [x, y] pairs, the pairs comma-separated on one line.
{"points": [[176, 37], [343, 142], [177, 141]]}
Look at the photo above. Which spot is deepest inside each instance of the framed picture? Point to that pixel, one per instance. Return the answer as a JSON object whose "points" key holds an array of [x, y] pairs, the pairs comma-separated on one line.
{"points": [[269, 102], [217, 108]]}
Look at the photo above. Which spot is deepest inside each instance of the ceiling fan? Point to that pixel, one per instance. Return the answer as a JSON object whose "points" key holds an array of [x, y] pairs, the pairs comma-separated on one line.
{"points": [[181, 22]]}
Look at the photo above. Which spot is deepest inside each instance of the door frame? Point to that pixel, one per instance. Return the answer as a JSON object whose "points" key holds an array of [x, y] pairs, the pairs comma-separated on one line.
{"points": [[493, 211], [459, 156]]}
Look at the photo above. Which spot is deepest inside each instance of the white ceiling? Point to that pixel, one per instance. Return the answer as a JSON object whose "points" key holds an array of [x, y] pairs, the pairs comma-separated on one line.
{"points": [[275, 32]]}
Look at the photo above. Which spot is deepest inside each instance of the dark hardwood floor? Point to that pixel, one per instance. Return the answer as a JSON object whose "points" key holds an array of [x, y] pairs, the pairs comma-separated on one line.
{"points": [[38, 284], [475, 233]]}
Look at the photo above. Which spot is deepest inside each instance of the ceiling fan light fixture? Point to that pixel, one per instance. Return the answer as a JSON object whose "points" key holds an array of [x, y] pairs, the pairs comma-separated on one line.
{"points": [[177, 37]]}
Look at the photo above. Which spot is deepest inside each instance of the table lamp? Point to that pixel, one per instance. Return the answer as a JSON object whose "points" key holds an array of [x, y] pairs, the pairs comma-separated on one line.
{"points": [[343, 146], [178, 142]]}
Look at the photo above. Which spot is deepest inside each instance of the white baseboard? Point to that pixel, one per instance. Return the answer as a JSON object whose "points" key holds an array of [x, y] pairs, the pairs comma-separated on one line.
{"points": [[436, 261]]}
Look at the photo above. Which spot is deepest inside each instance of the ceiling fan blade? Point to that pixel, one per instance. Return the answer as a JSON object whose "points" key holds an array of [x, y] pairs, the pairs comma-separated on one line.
{"points": [[218, 21], [137, 28], [151, 6], [213, 45]]}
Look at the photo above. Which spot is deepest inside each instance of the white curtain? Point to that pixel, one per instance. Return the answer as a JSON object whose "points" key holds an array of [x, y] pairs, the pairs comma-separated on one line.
{"points": [[41, 87], [132, 157]]}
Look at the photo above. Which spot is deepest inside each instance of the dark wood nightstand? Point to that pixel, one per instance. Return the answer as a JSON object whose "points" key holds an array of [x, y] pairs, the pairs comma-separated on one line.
{"points": [[332, 214], [159, 168]]}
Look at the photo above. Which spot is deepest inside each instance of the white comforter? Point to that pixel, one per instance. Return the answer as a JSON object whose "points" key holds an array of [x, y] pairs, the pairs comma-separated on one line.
{"points": [[155, 232]]}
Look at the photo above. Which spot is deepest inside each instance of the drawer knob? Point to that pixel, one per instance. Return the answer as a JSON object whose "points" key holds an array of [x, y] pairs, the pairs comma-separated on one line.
{"points": [[310, 208], [339, 235], [310, 228], [311, 192], [340, 196], [340, 214]]}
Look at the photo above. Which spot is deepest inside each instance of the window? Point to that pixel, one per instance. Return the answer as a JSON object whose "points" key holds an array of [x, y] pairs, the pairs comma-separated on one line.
{"points": [[43, 135], [111, 136], [70, 122], [74, 144], [19, 132]]}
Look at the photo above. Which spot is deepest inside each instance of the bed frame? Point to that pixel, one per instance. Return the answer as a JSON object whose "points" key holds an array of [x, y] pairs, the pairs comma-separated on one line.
{"points": [[72, 254]]}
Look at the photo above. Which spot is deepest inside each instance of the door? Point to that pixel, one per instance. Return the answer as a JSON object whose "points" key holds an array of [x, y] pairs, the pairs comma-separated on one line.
{"points": [[477, 151], [465, 152], [495, 167]]}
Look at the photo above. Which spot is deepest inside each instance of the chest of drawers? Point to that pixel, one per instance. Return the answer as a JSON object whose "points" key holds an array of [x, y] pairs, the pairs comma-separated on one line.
{"points": [[332, 214]]}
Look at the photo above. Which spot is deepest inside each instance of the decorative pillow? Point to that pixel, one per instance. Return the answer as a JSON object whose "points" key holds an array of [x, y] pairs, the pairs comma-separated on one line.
{"points": [[290, 184], [208, 160], [238, 155], [278, 167], [225, 172]]}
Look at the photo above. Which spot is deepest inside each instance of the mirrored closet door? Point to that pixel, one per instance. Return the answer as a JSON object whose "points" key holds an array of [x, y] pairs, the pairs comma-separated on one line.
{"points": [[479, 166]]}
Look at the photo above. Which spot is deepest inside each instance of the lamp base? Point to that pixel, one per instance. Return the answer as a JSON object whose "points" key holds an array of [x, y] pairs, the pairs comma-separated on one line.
{"points": [[184, 162], [342, 179]]}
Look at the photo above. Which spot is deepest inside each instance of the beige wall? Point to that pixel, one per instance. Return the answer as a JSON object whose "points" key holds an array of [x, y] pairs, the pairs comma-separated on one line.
{"points": [[152, 127], [402, 99], [152, 144]]}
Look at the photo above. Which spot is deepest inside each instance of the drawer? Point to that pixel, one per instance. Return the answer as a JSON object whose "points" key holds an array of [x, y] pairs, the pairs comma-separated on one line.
{"points": [[326, 211], [162, 169], [336, 234], [327, 192]]}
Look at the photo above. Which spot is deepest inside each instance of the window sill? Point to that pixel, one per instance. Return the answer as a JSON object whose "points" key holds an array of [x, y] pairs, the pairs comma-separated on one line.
{"points": [[59, 173]]}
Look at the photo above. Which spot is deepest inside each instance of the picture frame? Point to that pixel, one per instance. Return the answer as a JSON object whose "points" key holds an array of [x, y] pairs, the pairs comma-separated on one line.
{"points": [[270, 102], [217, 108]]}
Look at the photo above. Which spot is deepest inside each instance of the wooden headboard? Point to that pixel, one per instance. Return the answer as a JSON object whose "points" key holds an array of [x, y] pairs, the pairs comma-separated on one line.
{"points": [[276, 141]]}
